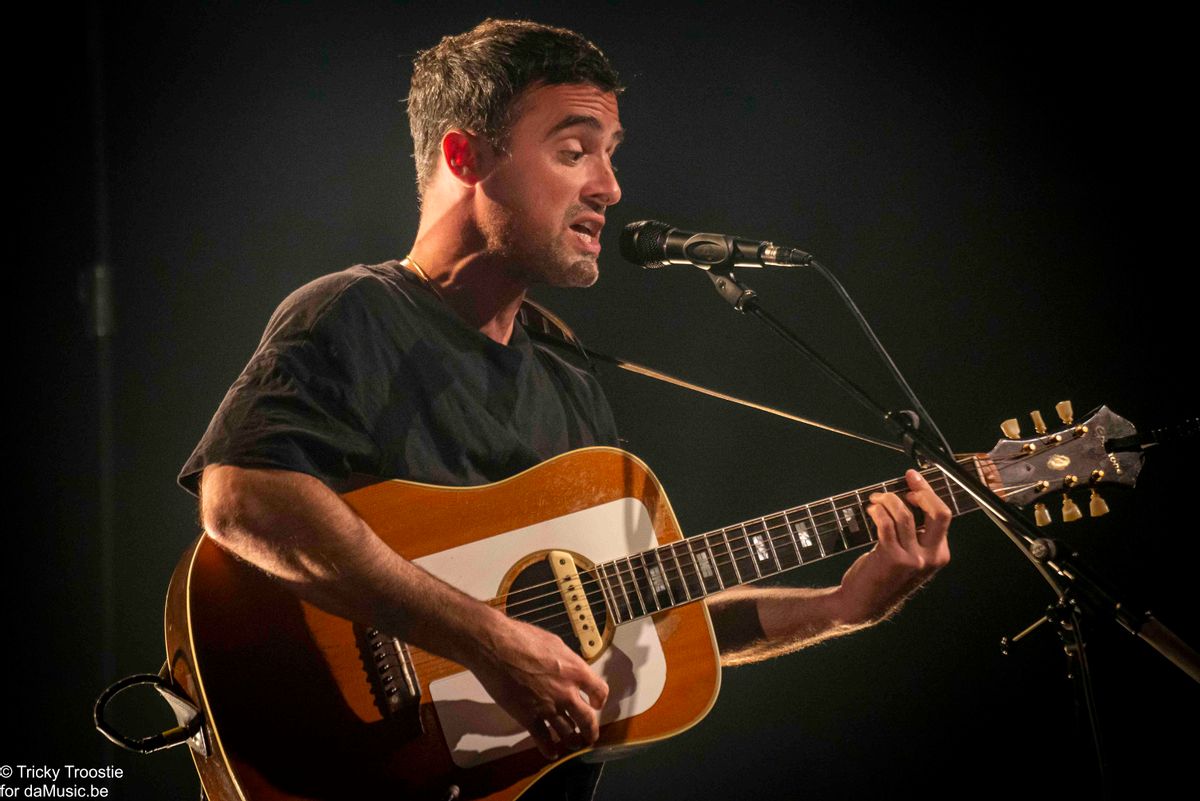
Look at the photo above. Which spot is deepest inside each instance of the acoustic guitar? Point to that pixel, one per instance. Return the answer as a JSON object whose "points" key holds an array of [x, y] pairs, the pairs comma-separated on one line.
{"points": [[297, 703]]}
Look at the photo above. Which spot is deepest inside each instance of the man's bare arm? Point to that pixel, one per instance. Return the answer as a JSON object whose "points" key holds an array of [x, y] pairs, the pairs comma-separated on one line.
{"points": [[295, 528], [754, 623]]}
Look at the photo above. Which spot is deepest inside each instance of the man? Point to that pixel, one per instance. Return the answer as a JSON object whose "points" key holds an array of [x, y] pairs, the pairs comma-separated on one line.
{"points": [[418, 370]]}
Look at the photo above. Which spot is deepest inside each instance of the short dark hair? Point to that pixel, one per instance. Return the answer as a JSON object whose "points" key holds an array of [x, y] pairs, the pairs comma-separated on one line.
{"points": [[472, 80]]}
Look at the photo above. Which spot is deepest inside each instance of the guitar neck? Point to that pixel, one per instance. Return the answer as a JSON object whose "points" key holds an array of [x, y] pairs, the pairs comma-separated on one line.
{"points": [[683, 572]]}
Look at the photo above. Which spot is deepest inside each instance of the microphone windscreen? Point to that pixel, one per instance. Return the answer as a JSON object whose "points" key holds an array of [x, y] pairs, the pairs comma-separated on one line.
{"points": [[644, 243]]}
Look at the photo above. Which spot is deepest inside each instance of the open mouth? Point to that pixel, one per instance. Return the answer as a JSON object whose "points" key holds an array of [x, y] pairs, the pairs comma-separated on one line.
{"points": [[588, 230]]}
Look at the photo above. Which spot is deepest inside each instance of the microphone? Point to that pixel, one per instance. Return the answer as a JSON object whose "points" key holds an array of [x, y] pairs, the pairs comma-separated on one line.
{"points": [[653, 244]]}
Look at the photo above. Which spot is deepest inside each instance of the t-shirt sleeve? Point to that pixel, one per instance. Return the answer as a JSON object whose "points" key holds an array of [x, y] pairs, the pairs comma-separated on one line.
{"points": [[300, 403]]}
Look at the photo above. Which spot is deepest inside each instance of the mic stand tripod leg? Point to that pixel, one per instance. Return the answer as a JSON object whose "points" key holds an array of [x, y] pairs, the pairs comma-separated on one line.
{"points": [[1070, 632], [1066, 618]]}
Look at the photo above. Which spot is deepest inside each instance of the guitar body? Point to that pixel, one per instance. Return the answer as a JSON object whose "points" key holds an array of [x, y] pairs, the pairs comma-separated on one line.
{"points": [[292, 709]]}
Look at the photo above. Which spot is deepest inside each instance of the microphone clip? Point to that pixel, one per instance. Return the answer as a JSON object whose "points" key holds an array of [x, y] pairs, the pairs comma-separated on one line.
{"points": [[735, 293]]}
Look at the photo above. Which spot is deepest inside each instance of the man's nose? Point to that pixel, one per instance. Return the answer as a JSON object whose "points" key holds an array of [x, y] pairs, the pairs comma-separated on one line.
{"points": [[605, 188]]}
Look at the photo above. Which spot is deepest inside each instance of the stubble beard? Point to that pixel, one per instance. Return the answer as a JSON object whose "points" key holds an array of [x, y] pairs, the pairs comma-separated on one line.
{"points": [[548, 262]]}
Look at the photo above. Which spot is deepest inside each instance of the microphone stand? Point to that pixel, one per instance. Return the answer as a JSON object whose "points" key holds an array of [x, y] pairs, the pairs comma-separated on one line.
{"points": [[925, 449]]}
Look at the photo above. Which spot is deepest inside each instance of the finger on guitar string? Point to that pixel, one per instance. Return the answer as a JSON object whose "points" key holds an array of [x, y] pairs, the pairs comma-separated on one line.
{"points": [[888, 511], [930, 537]]}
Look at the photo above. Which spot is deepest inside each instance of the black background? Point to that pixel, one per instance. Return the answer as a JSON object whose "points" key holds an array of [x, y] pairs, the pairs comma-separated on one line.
{"points": [[1004, 188]]}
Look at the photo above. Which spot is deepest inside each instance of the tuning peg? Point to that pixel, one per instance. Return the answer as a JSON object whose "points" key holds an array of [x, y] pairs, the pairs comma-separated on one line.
{"points": [[1011, 428], [1041, 514], [1071, 511], [1039, 425], [1097, 506], [1065, 412]]}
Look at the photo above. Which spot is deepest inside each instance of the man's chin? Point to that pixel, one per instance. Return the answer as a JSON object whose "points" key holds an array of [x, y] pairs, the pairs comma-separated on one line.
{"points": [[586, 271], [576, 274]]}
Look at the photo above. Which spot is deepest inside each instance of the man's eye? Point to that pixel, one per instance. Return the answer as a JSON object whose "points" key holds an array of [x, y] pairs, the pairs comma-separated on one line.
{"points": [[573, 156]]}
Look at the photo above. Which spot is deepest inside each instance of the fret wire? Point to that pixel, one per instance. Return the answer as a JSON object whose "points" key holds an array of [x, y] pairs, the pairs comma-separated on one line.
{"points": [[649, 582], [732, 559], [816, 530], [699, 573], [861, 510], [610, 599], [862, 513], [663, 574], [715, 563], [945, 490], [790, 527], [950, 492], [837, 518], [633, 579], [750, 548], [604, 595], [636, 589], [628, 604], [771, 544], [675, 556]]}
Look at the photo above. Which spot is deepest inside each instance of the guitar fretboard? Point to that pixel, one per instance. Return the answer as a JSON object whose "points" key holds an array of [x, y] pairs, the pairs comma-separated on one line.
{"points": [[696, 567]]}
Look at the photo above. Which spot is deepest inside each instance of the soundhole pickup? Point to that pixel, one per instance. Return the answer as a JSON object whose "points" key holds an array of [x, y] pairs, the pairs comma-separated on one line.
{"points": [[545, 587], [392, 678], [575, 601]]}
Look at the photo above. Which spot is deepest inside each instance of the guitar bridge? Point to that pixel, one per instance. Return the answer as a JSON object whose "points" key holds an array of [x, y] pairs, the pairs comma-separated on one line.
{"points": [[392, 677]]}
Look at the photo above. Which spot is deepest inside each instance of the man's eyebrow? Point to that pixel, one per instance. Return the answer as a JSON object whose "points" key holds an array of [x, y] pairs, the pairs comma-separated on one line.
{"points": [[571, 120]]}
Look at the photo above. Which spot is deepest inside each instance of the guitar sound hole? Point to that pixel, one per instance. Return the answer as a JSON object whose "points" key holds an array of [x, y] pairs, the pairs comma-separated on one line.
{"points": [[534, 598]]}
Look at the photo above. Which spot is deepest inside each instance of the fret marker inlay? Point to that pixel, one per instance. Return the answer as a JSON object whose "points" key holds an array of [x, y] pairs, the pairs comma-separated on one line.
{"points": [[760, 548], [657, 583], [706, 569], [801, 530]]}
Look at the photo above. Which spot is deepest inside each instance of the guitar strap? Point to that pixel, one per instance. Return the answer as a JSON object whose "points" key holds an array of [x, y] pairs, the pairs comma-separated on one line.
{"points": [[545, 326]]}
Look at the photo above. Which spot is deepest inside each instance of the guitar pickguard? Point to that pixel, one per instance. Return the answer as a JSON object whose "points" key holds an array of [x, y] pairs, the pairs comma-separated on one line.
{"points": [[477, 730]]}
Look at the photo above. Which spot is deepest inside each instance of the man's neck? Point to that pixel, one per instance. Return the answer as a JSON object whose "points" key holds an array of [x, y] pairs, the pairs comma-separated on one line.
{"points": [[480, 291]]}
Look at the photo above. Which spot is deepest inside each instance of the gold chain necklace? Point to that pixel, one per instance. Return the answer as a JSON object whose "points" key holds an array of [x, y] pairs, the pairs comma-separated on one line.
{"points": [[409, 261]]}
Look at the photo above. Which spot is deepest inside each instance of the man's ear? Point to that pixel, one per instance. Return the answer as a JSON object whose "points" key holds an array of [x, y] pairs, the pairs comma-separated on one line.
{"points": [[462, 157]]}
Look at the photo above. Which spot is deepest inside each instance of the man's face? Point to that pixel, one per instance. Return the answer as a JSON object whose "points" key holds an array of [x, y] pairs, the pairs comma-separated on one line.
{"points": [[542, 207]]}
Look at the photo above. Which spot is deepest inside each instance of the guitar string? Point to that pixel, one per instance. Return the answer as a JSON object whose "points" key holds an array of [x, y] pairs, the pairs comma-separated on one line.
{"points": [[819, 519], [560, 625], [625, 578], [684, 572], [932, 476]]}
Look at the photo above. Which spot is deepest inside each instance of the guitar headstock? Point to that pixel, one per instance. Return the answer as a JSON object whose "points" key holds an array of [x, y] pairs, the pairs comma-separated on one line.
{"points": [[1103, 449]]}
